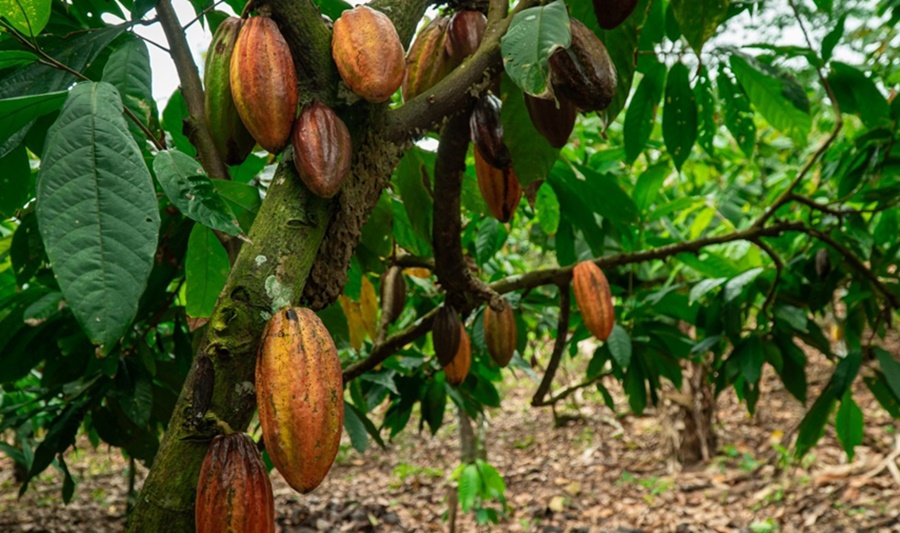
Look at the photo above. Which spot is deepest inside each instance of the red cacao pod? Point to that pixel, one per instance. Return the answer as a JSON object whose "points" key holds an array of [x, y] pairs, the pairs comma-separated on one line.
{"points": [[234, 492], [458, 368], [553, 120], [445, 334], [322, 149], [264, 83], [229, 134], [584, 73], [500, 333], [594, 299], [611, 13], [368, 53], [299, 393], [486, 130], [499, 187], [427, 61], [465, 33], [393, 294]]}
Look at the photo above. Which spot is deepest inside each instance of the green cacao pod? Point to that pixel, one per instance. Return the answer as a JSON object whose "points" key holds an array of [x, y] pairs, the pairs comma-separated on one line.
{"points": [[300, 396], [499, 187], [234, 492], [229, 134], [393, 294], [553, 120], [584, 73], [322, 149], [465, 33], [611, 13], [445, 334], [500, 333], [264, 83], [486, 129], [594, 299], [368, 53], [458, 368], [427, 61]]}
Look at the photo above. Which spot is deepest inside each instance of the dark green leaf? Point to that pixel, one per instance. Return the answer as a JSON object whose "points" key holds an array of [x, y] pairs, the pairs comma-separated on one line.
{"points": [[206, 269], [128, 69], [15, 182], [849, 424], [15, 58], [679, 115], [737, 113], [777, 96], [616, 205], [833, 38], [243, 199], [641, 114], [706, 111], [858, 94], [812, 427], [699, 19], [410, 178], [533, 35], [619, 344], [891, 369], [355, 428], [546, 207], [532, 155], [20, 111], [192, 192]]}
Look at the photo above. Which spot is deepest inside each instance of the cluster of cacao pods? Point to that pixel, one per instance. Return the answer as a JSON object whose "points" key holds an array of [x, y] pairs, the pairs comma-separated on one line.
{"points": [[594, 299]]}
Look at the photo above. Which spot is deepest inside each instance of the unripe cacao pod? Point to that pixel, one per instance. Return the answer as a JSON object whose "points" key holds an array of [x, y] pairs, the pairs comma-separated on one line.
{"points": [[499, 187], [299, 393], [465, 33], [584, 73], [234, 492], [228, 132], [368, 53], [393, 294], [500, 333], [264, 83], [486, 130], [611, 13], [445, 334], [322, 149], [554, 121], [594, 299], [428, 60], [458, 368]]}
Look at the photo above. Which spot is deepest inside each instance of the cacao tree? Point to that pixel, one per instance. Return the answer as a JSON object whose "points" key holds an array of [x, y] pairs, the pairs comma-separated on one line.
{"points": [[143, 251]]}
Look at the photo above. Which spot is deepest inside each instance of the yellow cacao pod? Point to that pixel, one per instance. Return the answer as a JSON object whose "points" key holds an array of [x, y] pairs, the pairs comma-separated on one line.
{"points": [[499, 187], [594, 299], [500, 333]]}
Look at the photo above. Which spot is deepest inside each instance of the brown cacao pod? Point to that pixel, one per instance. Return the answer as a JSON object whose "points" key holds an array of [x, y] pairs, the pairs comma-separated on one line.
{"points": [[300, 396], [264, 83], [229, 134], [584, 73], [458, 368], [611, 13], [500, 333], [234, 492], [486, 130], [445, 334], [428, 60], [499, 187], [393, 294], [368, 53], [554, 121], [465, 33], [322, 149], [594, 299]]}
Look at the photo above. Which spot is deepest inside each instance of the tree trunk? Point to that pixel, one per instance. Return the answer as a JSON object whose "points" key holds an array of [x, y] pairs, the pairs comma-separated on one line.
{"points": [[691, 413]]}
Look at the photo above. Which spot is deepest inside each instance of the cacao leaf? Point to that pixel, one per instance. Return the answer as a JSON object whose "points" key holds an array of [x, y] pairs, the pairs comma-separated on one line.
{"points": [[206, 269], [641, 114], [28, 17], [679, 115], [849, 424], [532, 155], [699, 19], [738, 114], [15, 181], [18, 112], [128, 69], [778, 97], [547, 27]]}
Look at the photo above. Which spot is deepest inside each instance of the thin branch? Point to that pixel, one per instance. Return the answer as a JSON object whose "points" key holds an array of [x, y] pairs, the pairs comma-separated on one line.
{"points": [[565, 393], [154, 43], [559, 347], [382, 351], [779, 268], [199, 15], [824, 208], [414, 261]]}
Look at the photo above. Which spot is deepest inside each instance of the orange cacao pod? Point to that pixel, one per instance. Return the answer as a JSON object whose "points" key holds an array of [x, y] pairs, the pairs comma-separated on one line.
{"points": [[264, 83], [368, 53], [465, 33], [458, 368], [234, 492], [594, 299], [322, 149], [553, 120], [393, 294], [611, 13], [499, 187], [500, 333], [584, 73], [445, 334], [427, 61], [300, 396], [486, 130]]}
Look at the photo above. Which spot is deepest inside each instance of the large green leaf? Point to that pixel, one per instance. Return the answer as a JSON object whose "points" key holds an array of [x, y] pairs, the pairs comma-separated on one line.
{"points": [[699, 19], [18, 112], [857, 94], [641, 114], [410, 178], [14, 58], [679, 115], [533, 35], [546, 207], [532, 155], [648, 185], [778, 97], [26, 16], [849, 424], [205, 270], [128, 69], [609, 200], [97, 211], [738, 114], [15, 181], [706, 111]]}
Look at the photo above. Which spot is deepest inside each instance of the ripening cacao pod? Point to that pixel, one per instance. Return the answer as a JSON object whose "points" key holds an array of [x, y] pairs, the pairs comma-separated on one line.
{"points": [[500, 333], [299, 393], [553, 120], [465, 33], [234, 492], [264, 83], [228, 132], [594, 299], [486, 130], [322, 149], [445, 334], [499, 187], [368, 53], [611, 13], [393, 294], [458, 368], [427, 61], [584, 73]]}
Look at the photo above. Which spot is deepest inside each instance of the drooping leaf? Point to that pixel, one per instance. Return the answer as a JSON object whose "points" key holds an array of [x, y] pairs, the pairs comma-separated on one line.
{"points": [[409, 178], [620, 346], [15, 58], [857, 94], [849, 424], [546, 207], [532, 155], [533, 35], [737, 113], [649, 184], [706, 111], [15, 181], [777, 96], [206, 269], [641, 114], [18, 112], [699, 19], [128, 69], [679, 115]]}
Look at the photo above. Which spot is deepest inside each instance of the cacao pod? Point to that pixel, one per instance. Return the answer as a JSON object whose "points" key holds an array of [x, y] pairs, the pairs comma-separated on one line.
{"points": [[611, 13], [234, 492], [458, 368], [228, 132], [427, 61], [554, 121], [322, 149], [500, 333], [264, 83], [445, 334], [368, 53], [393, 295], [499, 187], [465, 33], [584, 73], [594, 299], [486, 130], [299, 393]]}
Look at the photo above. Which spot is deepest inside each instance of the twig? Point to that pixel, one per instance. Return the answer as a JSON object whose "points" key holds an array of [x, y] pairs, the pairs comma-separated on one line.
{"points": [[779, 267], [205, 11], [824, 208], [559, 347], [382, 351]]}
